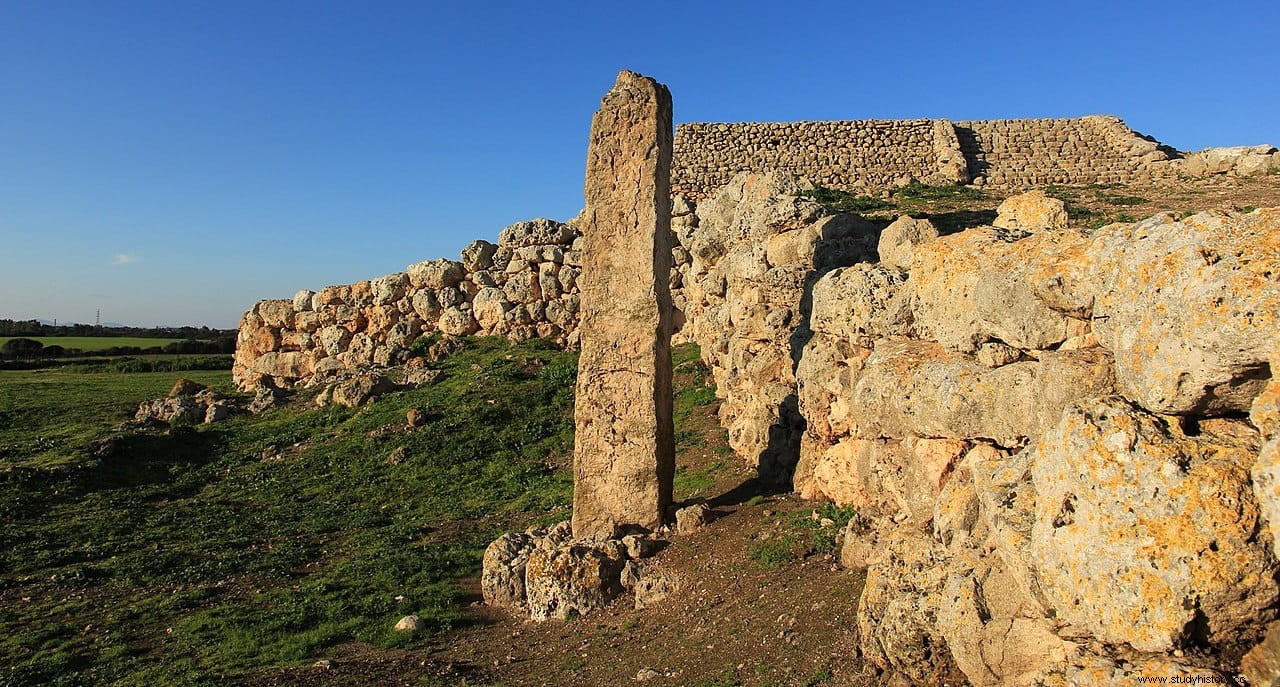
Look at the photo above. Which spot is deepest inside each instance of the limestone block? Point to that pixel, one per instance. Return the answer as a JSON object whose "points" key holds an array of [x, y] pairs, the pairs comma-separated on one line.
{"points": [[624, 452], [1187, 553], [898, 241]]}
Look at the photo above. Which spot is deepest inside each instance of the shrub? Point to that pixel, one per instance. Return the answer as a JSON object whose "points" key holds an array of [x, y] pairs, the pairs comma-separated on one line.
{"points": [[845, 201]]}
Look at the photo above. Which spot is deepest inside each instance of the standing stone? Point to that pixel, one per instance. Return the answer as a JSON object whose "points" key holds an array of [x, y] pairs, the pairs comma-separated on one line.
{"points": [[624, 454]]}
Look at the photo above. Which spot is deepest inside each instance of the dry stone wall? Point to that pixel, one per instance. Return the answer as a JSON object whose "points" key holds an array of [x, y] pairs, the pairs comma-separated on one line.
{"points": [[1043, 434], [874, 155], [859, 154], [1022, 153], [525, 286]]}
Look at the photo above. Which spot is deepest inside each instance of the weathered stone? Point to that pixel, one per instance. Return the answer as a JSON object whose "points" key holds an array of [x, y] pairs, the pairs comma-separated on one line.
{"points": [[478, 255], [1261, 666], [455, 321], [898, 608], [359, 390], [436, 274], [1189, 308], [503, 571], [1168, 520], [568, 579], [624, 453], [899, 240], [1031, 211], [536, 232], [656, 586], [409, 623], [489, 307], [186, 387], [971, 287], [639, 546], [860, 301], [692, 518]]}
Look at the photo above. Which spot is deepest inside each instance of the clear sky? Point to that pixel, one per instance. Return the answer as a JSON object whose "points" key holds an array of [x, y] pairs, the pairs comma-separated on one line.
{"points": [[172, 162]]}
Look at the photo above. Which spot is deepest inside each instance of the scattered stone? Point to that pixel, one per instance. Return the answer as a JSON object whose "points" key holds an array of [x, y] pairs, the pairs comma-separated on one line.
{"points": [[646, 674], [266, 395], [397, 455], [690, 519], [654, 587], [219, 410], [409, 623]]}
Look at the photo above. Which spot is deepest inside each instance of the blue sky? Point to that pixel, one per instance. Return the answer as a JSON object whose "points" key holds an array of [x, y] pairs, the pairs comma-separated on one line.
{"points": [[173, 162]]}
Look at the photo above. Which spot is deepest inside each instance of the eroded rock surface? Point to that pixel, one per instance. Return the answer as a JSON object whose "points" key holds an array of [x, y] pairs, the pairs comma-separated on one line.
{"points": [[624, 446]]}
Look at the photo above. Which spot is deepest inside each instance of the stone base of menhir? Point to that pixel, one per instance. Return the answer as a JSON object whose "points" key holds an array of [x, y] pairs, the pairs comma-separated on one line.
{"points": [[548, 574]]}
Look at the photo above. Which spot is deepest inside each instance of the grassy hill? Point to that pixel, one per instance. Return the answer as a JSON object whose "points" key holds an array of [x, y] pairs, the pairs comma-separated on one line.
{"points": [[216, 551]]}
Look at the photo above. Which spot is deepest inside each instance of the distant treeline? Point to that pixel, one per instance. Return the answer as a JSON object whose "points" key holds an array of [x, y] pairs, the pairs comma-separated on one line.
{"points": [[36, 328], [122, 364], [30, 349]]}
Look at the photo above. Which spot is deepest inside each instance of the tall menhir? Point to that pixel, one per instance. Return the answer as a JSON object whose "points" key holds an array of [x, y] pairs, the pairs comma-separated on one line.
{"points": [[624, 453]]}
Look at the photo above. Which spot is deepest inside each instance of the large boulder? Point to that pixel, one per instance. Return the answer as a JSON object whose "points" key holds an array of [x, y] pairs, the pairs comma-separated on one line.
{"points": [[1168, 522], [436, 274], [1031, 211], [503, 570], [537, 232], [897, 614], [572, 579], [898, 241], [972, 287], [1189, 308]]}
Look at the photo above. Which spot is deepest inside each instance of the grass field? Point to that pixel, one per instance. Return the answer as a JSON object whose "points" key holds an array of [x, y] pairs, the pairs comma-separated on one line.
{"points": [[48, 417], [94, 343], [212, 554]]}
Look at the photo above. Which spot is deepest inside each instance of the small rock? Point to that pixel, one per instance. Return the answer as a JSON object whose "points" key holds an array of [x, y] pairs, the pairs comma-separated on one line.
{"points": [[323, 664], [397, 456], [693, 518], [995, 354], [639, 546], [648, 674], [630, 575], [186, 387], [409, 623]]}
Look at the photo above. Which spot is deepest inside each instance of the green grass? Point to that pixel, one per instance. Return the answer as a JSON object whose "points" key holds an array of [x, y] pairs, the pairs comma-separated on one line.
{"points": [[191, 558], [49, 417], [844, 201], [94, 343], [917, 192], [806, 536]]}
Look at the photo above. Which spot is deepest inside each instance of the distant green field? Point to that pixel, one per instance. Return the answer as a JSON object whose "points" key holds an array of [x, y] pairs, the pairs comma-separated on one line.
{"points": [[93, 343], [47, 417]]}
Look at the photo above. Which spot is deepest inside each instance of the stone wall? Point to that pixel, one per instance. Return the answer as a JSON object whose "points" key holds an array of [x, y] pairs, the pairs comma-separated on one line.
{"points": [[860, 154], [1023, 153], [1044, 438], [874, 155], [523, 287]]}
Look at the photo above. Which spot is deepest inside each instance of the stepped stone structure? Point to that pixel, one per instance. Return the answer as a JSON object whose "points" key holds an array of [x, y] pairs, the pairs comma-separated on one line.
{"points": [[624, 453], [872, 155]]}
